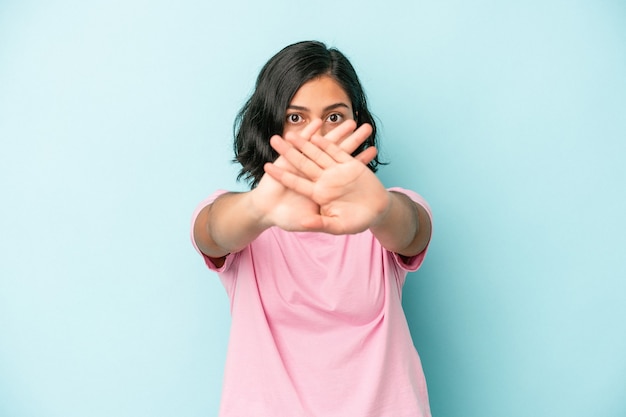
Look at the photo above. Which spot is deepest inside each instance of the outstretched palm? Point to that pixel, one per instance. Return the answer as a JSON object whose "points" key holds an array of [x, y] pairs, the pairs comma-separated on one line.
{"points": [[349, 196], [281, 206]]}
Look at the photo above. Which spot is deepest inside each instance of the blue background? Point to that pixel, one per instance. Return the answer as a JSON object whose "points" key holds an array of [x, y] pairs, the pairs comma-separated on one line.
{"points": [[115, 121]]}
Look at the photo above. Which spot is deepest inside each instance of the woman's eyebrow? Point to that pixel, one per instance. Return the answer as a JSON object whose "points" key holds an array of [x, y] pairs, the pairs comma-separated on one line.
{"points": [[335, 106], [327, 108], [299, 108]]}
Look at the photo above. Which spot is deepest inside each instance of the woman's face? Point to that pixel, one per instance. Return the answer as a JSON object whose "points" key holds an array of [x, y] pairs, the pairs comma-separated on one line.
{"points": [[320, 98]]}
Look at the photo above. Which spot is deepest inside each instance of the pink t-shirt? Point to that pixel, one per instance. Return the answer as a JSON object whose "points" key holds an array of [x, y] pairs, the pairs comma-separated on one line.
{"points": [[318, 328]]}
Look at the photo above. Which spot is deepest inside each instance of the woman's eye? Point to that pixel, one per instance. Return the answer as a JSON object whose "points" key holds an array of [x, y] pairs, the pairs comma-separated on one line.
{"points": [[334, 118], [294, 118]]}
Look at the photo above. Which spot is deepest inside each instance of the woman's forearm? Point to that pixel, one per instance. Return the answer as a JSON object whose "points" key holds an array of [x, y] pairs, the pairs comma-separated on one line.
{"points": [[405, 227], [227, 225]]}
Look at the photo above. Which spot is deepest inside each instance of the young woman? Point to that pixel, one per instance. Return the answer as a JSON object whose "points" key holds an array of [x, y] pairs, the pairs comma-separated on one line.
{"points": [[314, 256]]}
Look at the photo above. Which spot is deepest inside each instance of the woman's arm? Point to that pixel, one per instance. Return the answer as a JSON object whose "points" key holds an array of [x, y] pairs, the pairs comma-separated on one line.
{"points": [[404, 228], [227, 225], [234, 220], [350, 196]]}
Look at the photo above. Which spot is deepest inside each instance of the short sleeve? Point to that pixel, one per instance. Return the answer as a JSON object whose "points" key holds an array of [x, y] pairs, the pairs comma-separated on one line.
{"points": [[413, 263], [207, 201]]}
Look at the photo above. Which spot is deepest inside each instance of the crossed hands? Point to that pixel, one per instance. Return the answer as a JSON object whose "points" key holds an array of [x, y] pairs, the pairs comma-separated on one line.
{"points": [[317, 185]]}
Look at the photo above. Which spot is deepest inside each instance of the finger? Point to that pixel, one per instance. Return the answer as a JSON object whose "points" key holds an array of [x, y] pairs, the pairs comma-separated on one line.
{"points": [[312, 152], [339, 133], [333, 150], [356, 139], [367, 155], [291, 181], [310, 129], [296, 158], [351, 139]]}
